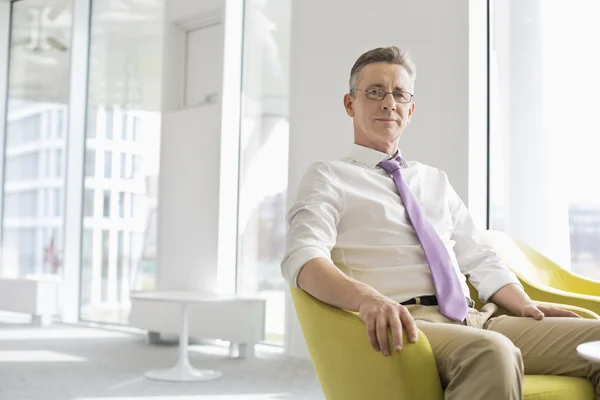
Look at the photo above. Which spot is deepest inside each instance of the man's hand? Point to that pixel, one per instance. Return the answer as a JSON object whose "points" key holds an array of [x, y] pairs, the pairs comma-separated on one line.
{"points": [[517, 302], [538, 312], [379, 312]]}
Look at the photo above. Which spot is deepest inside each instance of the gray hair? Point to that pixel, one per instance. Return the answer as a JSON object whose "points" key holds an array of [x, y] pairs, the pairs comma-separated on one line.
{"points": [[389, 55]]}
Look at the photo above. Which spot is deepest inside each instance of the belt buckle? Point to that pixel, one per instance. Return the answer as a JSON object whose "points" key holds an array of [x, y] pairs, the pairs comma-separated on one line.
{"points": [[470, 302], [417, 300]]}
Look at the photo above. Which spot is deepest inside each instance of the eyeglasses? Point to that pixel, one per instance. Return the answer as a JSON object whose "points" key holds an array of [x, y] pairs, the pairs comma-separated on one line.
{"points": [[379, 94]]}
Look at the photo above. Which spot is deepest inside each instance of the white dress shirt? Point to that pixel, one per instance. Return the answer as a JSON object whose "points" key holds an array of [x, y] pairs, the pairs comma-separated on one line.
{"points": [[350, 212]]}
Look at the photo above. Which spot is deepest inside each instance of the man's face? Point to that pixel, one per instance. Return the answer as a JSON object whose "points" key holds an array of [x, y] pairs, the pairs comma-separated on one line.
{"points": [[378, 124]]}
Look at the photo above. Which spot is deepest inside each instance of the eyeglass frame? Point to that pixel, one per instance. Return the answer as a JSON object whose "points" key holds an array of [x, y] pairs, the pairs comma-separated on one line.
{"points": [[385, 95]]}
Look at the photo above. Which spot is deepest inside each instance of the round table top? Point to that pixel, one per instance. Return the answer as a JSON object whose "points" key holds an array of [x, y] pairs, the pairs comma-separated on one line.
{"points": [[590, 351], [188, 296]]}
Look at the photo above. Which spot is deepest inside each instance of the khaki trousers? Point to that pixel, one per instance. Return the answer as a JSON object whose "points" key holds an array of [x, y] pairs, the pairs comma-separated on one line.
{"points": [[486, 356]]}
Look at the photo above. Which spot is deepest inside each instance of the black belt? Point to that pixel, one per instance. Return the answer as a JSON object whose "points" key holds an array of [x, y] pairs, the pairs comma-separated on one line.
{"points": [[432, 301]]}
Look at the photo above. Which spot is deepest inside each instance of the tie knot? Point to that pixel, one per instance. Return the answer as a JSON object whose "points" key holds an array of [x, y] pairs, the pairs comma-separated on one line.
{"points": [[390, 166]]}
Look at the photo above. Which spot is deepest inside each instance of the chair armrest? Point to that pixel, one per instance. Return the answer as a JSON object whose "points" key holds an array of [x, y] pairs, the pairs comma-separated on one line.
{"points": [[541, 293], [579, 284], [349, 369], [563, 279]]}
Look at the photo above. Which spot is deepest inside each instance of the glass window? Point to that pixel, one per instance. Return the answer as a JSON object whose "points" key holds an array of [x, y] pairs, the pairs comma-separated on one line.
{"points": [[45, 199], [91, 131], [38, 98], [108, 132], [124, 166], [58, 199], [61, 122], [121, 205], [264, 141], [90, 163], [544, 185], [106, 203], [59, 159], [25, 128], [122, 268], [88, 203], [23, 167], [22, 204], [86, 268], [125, 122], [137, 167], [48, 170], [107, 164], [124, 84], [135, 128], [104, 263]]}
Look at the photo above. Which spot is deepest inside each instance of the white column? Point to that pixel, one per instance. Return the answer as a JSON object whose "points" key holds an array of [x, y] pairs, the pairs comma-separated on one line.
{"points": [[230, 154], [477, 199], [197, 205], [75, 160], [4, 63]]}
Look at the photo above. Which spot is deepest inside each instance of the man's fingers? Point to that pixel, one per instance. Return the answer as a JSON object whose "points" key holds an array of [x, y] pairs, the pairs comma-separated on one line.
{"points": [[381, 326], [396, 327], [409, 325], [533, 312], [537, 314], [372, 333], [559, 312]]}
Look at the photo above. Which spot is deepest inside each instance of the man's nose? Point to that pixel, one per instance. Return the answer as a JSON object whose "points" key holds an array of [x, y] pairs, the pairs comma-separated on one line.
{"points": [[388, 102]]}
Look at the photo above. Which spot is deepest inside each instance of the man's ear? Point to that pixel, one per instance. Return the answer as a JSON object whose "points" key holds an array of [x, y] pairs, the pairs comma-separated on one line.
{"points": [[349, 104], [411, 111]]}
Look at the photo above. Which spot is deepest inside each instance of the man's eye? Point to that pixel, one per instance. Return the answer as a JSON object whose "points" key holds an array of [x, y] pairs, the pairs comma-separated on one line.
{"points": [[374, 92], [400, 96]]}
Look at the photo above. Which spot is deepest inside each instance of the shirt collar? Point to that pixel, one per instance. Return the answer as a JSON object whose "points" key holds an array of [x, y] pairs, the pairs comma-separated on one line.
{"points": [[370, 157]]}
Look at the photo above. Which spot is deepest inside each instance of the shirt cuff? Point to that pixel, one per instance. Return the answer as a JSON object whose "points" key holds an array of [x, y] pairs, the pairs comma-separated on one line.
{"points": [[292, 265], [495, 282]]}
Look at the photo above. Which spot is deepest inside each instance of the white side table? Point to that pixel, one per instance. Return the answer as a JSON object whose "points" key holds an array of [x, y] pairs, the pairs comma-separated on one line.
{"points": [[590, 351], [183, 370]]}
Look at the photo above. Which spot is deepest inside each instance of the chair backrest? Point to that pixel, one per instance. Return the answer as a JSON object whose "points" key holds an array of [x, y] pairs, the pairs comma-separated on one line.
{"points": [[524, 261]]}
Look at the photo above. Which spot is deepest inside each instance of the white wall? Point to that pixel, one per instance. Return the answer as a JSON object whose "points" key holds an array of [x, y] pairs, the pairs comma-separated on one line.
{"points": [[198, 170], [177, 10], [328, 36], [188, 201]]}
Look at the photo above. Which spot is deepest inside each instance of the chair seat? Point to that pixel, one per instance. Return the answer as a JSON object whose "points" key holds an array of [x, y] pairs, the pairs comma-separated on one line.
{"points": [[544, 387]]}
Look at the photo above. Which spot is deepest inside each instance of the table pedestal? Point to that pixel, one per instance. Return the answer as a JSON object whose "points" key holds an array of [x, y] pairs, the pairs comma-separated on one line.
{"points": [[183, 370]]}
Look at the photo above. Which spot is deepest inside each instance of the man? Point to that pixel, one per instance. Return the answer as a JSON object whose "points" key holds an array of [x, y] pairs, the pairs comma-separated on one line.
{"points": [[392, 240]]}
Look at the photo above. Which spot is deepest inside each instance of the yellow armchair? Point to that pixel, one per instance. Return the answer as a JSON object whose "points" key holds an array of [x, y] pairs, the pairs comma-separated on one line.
{"points": [[349, 369], [347, 366], [544, 280]]}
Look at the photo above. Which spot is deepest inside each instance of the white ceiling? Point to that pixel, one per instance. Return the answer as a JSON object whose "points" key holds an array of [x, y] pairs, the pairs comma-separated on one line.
{"points": [[125, 52]]}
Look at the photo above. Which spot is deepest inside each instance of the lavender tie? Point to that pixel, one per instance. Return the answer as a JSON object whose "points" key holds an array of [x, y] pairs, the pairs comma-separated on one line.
{"points": [[451, 298]]}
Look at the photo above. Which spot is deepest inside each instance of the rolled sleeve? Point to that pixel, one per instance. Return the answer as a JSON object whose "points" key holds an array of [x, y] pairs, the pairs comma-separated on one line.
{"points": [[476, 258], [483, 267], [312, 220]]}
